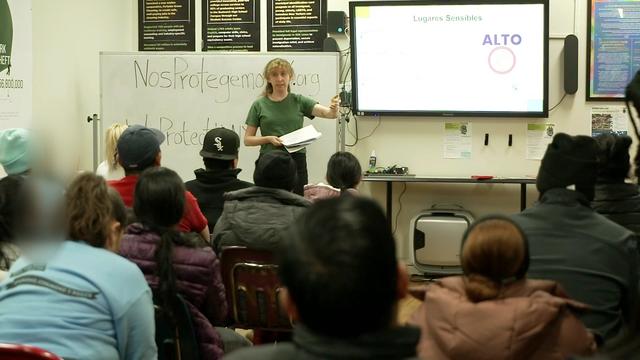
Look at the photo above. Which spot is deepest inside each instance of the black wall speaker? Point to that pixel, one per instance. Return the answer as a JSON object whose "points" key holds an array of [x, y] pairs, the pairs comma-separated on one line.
{"points": [[570, 64], [330, 45], [336, 22]]}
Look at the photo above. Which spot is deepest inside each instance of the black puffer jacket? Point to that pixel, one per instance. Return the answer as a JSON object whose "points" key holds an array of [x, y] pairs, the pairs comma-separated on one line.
{"points": [[209, 186], [620, 203]]}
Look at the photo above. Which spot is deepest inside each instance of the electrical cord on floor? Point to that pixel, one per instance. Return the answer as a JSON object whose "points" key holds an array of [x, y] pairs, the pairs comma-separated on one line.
{"points": [[395, 226]]}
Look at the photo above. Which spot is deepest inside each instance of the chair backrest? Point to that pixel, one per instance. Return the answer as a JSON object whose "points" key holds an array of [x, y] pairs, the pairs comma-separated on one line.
{"points": [[252, 285], [25, 352], [176, 337]]}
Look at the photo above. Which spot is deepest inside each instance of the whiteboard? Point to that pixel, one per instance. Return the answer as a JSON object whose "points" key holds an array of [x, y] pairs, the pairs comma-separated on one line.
{"points": [[186, 94]]}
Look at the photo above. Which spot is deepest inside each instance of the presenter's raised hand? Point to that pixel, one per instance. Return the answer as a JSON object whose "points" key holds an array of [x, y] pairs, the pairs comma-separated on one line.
{"points": [[334, 106], [329, 112]]}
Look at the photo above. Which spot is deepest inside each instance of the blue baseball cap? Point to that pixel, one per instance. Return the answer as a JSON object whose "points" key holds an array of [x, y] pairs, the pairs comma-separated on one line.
{"points": [[138, 147]]}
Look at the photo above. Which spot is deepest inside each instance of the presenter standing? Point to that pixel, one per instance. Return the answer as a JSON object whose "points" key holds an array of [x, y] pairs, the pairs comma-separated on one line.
{"points": [[278, 112]]}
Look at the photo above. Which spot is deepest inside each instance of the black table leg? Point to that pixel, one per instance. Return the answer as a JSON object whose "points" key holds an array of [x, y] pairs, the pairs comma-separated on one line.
{"points": [[389, 203], [523, 196]]}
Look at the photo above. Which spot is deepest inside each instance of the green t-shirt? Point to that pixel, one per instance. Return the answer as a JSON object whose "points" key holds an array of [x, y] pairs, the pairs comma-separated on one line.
{"points": [[279, 117]]}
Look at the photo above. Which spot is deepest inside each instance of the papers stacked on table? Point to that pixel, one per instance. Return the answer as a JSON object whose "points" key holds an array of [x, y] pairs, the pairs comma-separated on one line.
{"points": [[299, 139]]}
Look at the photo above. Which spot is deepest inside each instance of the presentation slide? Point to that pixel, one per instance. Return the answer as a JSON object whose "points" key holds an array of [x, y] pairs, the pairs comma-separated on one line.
{"points": [[458, 58]]}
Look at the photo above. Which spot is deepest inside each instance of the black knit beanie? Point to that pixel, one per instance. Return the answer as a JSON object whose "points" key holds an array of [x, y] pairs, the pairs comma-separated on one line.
{"points": [[569, 160], [275, 169], [613, 158]]}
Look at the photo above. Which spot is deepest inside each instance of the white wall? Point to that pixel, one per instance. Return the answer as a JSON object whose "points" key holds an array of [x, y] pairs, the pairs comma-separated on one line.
{"points": [[68, 35]]}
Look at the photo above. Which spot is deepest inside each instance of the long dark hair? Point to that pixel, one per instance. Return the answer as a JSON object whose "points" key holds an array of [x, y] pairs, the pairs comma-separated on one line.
{"points": [[343, 171], [159, 203], [10, 190]]}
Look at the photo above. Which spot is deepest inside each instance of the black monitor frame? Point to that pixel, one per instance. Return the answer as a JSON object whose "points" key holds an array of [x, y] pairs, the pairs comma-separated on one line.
{"points": [[544, 113]]}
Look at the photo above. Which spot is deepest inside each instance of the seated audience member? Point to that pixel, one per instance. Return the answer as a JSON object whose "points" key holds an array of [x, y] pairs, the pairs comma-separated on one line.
{"points": [[10, 188], [627, 346], [172, 261], [614, 198], [343, 282], [139, 149], [343, 175], [220, 156], [76, 298], [594, 259], [15, 153], [530, 319], [109, 168], [253, 217]]}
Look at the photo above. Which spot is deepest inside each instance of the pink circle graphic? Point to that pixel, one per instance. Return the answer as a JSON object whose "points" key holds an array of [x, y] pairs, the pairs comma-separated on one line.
{"points": [[502, 71]]}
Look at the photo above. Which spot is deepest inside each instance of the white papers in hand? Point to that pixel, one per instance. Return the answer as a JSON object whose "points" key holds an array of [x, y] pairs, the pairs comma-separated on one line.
{"points": [[297, 140]]}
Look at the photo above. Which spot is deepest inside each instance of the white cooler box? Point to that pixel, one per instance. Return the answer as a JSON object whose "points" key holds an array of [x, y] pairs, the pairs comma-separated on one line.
{"points": [[436, 235]]}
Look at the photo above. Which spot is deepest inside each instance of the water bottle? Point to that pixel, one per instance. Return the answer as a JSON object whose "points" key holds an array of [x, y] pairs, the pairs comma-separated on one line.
{"points": [[372, 162]]}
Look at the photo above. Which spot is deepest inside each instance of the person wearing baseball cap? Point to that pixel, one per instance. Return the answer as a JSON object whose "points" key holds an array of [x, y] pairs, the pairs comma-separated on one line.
{"points": [[220, 174], [139, 149]]}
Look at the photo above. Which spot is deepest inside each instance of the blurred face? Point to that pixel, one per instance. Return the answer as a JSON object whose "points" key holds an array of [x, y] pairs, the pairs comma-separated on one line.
{"points": [[279, 78]]}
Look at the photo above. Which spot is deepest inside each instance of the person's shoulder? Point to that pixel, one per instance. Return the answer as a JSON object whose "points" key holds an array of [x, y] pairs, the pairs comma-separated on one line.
{"points": [[260, 101], [190, 185], [281, 351], [103, 257], [302, 99], [126, 181], [102, 169], [106, 268], [190, 197], [612, 230]]}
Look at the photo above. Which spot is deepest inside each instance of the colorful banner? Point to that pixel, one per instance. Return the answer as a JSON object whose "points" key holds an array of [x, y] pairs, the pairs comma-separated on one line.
{"points": [[16, 77], [231, 26], [166, 25], [296, 25], [613, 47]]}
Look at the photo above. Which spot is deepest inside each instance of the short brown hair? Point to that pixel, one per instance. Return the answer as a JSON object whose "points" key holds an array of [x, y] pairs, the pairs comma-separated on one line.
{"points": [[90, 208]]}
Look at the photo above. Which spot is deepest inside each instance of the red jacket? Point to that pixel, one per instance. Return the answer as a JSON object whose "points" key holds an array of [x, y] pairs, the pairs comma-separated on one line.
{"points": [[192, 221], [198, 280]]}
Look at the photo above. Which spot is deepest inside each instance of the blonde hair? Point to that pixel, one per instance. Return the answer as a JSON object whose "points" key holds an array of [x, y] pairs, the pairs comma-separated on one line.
{"points": [[111, 144], [274, 64], [494, 252]]}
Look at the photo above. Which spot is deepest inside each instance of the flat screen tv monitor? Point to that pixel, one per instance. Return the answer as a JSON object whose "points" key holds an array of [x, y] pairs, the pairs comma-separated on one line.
{"points": [[450, 58]]}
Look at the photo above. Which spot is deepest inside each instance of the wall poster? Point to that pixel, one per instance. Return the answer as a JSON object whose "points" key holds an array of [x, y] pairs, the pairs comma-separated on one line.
{"points": [[295, 25], [613, 47], [231, 25], [166, 25]]}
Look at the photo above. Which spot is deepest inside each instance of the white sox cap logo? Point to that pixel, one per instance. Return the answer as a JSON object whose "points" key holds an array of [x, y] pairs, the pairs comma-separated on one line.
{"points": [[218, 143]]}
